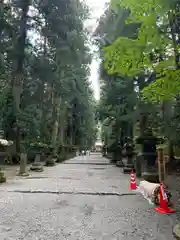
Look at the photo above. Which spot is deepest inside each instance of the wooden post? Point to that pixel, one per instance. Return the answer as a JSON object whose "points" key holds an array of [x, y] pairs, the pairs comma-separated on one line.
{"points": [[161, 166]]}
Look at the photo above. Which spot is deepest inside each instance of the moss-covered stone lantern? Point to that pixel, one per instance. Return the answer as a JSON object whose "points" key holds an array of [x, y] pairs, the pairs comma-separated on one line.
{"points": [[149, 167]]}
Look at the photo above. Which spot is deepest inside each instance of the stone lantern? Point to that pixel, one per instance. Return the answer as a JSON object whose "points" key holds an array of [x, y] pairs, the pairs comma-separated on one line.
{"points": [[129, 152], [149, 167], [4, 144], [119, 162]]}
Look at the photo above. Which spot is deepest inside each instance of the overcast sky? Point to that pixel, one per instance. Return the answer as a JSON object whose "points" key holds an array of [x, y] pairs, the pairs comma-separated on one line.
{"points": [[97, 8]]}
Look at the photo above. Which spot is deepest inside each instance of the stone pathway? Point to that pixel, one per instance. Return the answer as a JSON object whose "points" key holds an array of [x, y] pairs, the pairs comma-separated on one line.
{"points": [[84, 198]]}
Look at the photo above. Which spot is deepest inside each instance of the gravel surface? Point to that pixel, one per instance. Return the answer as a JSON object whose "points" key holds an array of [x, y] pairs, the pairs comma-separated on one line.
{"points": [[79, 201]]}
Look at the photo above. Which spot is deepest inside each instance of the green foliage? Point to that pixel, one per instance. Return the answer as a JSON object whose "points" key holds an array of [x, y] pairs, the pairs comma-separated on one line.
{"points": [[131, 56], [125, 56], [167, 87], [147, 54], [116, 108], [55, 59]]}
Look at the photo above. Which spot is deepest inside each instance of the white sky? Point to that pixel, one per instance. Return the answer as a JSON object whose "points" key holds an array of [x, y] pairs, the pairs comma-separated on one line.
{"points": [[97, 8]]}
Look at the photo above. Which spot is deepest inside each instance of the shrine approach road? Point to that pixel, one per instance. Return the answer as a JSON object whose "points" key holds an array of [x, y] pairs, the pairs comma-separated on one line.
{"points": [[84, 198]]}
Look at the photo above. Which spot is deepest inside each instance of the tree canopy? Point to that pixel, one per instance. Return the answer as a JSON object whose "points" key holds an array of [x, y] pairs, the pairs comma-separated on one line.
{"points": [[139, 49], [155, 48], [45, 94]]}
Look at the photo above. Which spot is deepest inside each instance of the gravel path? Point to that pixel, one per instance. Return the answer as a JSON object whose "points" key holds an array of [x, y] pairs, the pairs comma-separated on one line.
{"points": [[79, 200]]}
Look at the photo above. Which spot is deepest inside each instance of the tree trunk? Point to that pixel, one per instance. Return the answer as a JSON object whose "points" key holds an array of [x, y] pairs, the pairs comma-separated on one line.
{"points": [[171, 150], [143, 123], [62, 122], [56, 124], [173, 26], [167, 117], [18, 75], [1, 17], [71, 132], [42, 87]]}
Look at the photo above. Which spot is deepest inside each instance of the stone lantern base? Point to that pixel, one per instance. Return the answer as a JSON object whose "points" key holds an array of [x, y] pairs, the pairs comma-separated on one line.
{"points": [[128, 168], [138, 164], [151, 175], [119, 163], [149, 168], [2, 177], [129, 165]]}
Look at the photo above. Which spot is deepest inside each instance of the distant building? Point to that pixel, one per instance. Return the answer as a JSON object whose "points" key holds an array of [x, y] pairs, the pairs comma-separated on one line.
{"points": [[98, 146]]}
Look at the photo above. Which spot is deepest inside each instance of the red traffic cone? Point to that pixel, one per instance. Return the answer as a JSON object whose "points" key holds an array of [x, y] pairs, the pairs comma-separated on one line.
{"points": [[163, 205], [133, 181]]}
